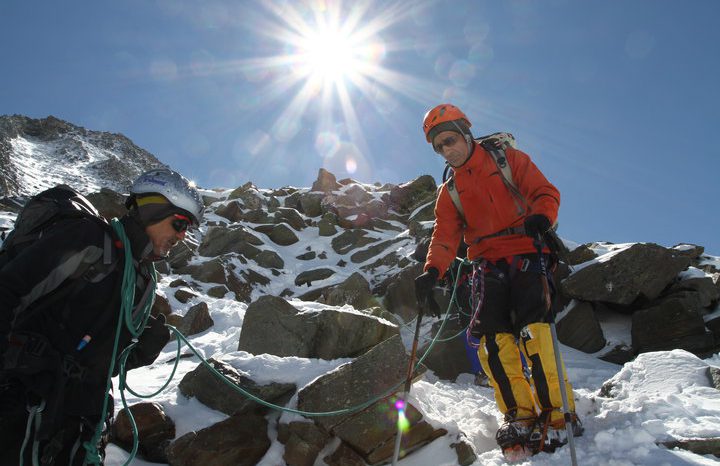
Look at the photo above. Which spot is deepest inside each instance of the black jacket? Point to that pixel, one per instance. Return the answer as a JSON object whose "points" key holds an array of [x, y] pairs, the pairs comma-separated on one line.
{"points": [[39, 293]]}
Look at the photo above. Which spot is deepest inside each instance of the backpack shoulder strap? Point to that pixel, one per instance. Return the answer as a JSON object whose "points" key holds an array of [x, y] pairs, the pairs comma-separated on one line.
{"points": [[495, 145], [455, 197]]}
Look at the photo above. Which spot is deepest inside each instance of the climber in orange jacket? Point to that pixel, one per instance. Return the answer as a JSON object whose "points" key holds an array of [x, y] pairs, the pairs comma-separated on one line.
{"points": [[499, 224]]}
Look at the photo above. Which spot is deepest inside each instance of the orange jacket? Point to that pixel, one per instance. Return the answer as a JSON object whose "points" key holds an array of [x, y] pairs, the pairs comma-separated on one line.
{"points": [[489, 208]]}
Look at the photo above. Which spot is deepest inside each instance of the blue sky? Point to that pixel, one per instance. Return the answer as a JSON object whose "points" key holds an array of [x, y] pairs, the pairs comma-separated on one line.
{"points": [[618, 102]]}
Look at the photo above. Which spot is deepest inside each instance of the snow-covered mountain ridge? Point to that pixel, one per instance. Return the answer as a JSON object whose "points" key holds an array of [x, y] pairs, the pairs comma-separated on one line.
{"points": [[36, 154]]}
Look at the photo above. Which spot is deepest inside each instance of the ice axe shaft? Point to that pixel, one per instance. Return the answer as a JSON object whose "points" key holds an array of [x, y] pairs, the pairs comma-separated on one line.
{"points": [[408, 384], [556, 349]]}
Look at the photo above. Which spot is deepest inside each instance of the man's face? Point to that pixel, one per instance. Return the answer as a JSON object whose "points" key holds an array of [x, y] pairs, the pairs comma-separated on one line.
{"points": [[166, 234], [452, 146]]}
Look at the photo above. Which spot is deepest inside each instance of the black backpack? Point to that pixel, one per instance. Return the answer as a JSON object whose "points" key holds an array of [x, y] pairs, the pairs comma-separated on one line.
{"points": [[48, 208]]}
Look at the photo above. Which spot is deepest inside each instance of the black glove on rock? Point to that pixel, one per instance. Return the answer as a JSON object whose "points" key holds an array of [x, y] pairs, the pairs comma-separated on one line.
{"points": [[424, 285], [536, 225]]}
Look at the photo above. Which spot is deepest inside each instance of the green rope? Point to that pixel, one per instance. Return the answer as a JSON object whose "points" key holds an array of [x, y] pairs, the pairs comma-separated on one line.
{"points": [[182, 339], [134, 325]]}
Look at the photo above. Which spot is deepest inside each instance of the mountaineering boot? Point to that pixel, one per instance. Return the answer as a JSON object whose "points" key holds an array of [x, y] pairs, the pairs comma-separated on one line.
{"points": [[546, 435], [482, 380], [512, 437]]}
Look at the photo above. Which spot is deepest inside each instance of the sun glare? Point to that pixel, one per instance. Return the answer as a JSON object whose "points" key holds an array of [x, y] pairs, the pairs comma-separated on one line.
{"points": [[329, 55], [329, 63]]}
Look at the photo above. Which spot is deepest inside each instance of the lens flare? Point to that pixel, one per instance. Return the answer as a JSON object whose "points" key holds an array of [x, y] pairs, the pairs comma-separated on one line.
{"points": [[403, 423]]}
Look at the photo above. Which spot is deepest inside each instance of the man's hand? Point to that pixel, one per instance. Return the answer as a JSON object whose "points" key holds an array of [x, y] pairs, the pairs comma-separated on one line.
{"points": [[424, 285], [536, 226], [155, 336]]}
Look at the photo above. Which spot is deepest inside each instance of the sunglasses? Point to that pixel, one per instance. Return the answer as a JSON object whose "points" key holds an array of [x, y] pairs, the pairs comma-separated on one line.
{"points": [[447, 142], [181, 223]]}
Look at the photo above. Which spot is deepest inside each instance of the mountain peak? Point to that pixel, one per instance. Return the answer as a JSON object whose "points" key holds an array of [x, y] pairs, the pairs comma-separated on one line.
{"points": [[36, 154]]}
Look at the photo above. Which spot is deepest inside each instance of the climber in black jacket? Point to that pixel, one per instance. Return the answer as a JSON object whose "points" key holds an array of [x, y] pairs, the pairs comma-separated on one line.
{"points": [[59, 317]]}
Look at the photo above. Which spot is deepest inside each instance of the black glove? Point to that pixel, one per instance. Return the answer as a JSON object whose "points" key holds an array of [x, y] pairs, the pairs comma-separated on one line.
{"points": [[424, 285], [536, 226], [156, 334], [151, 341]]}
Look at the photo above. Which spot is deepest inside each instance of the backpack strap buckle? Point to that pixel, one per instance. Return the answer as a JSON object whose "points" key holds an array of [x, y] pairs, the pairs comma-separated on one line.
{"points": [[71, 369]]}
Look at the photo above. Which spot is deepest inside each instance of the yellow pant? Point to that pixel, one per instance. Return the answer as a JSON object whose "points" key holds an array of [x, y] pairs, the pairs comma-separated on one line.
{"points": [[500, 359]]}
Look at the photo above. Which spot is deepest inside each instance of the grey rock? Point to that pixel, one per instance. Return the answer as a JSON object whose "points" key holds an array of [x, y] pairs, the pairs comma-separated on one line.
{"points": [[240, 440], [581, 254], [204, 385], [354, 291], [327, 224], [325, 182], [274, 326], [705, 288], [344, 455], [290, 216], [351, 239], [218, 291], [448, 359], [196, 320], [279, 234], [154, 429], [408, 196], [705, 446], [580, 329], [184, 295], [249, 195], [309, 276], [714, 376], [308, 256], [223, 240], [232, 211], [640, 272], [374, 373], [212, 271], [310, 204], [400, 295], [373, 251], [670, 325], [108, 202], [303, 441], [269, 260]]}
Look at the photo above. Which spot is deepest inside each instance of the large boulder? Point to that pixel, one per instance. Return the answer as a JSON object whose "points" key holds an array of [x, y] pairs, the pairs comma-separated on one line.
{"points": [[303, 441], [232, 211], [370, 431], [240, 440], [640, 272], [196, 320], [400, 292], [325, 182], [580, 329], [351, 239], [408, 196], [204, 385], [354, 291], [154, 428], [669, 325], [224, 240], [279, 234], [274, 326], [448, 357]]}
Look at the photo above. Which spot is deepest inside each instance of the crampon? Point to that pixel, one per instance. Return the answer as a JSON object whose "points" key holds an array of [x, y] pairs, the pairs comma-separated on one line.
{"points": [[512, 438], [521, 438]]}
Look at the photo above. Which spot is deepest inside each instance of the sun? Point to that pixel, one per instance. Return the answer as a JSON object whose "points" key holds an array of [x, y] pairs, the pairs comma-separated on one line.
{"points": [[330, 55], [325, 64]]}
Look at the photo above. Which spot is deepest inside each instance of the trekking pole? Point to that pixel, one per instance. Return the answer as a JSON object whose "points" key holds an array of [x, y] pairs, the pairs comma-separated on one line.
{"points": [[556, 349], [401, 402]]}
